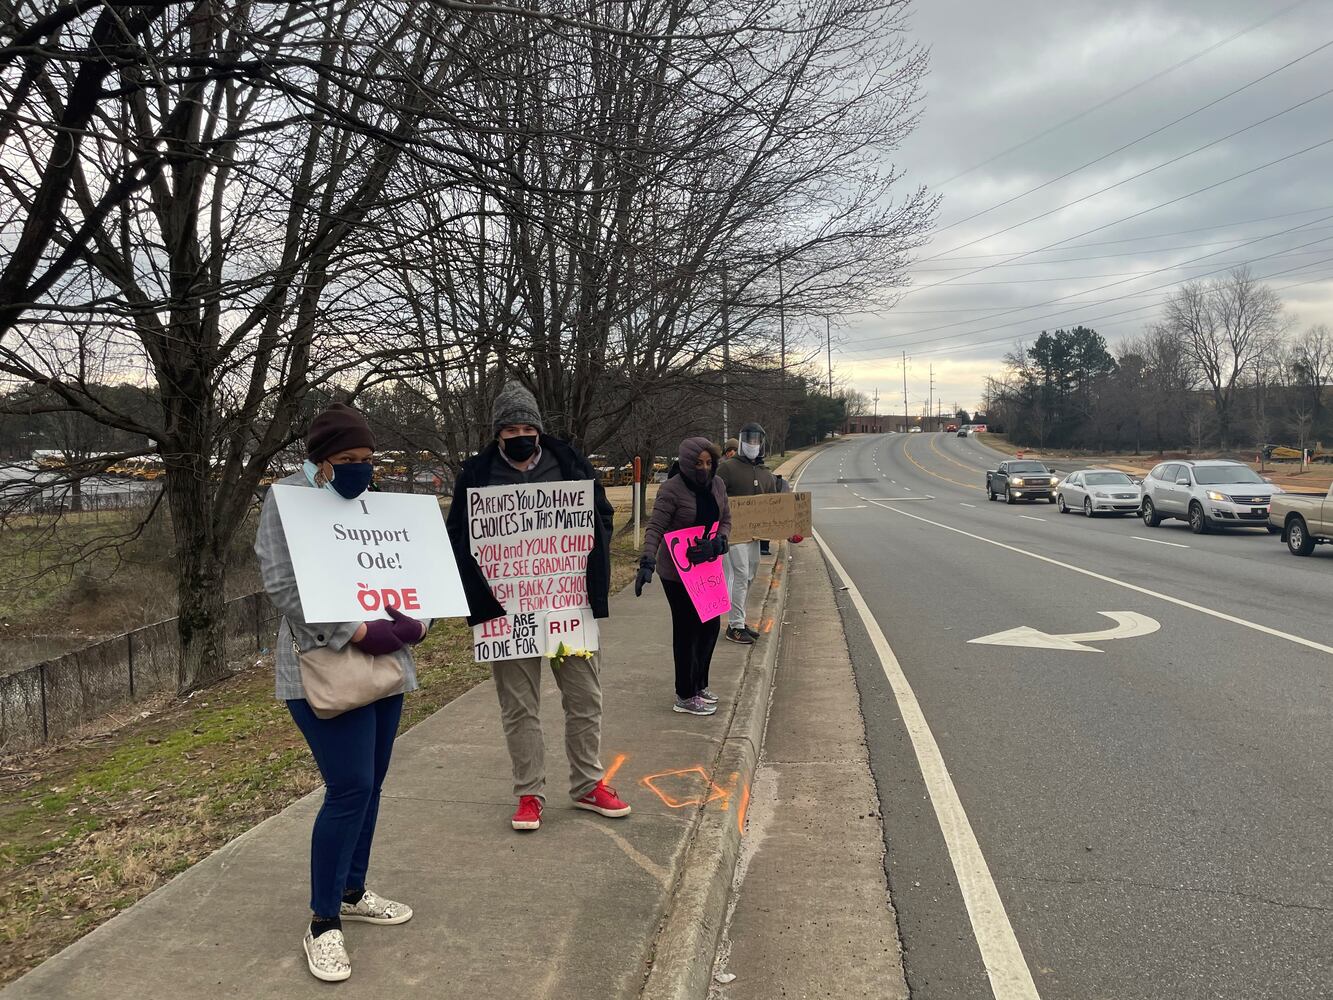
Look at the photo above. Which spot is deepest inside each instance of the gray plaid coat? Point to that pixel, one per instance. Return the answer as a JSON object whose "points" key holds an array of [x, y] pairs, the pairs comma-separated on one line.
{"points": [[275, 563]]}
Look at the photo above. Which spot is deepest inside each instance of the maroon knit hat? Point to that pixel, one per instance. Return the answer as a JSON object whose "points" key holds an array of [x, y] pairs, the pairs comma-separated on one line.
{"points": [[338, 428]]}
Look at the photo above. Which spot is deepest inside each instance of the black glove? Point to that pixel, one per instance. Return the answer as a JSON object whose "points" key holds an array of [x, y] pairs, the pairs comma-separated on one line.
{"points": [[706, 550], [645, 575]]}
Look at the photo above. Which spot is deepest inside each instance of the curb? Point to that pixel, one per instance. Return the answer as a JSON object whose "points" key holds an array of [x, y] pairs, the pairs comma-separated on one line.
{"points": [[682, 962]]}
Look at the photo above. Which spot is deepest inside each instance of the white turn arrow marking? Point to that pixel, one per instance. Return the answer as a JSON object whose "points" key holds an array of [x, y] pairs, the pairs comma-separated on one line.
{"points": [[1128, 625]]}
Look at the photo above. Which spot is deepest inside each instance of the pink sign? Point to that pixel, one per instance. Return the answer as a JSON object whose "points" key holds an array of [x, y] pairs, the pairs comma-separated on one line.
{"points": [[706, 583]]}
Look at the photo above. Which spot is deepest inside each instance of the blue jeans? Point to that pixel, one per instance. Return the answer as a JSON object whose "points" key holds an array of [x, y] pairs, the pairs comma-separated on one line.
{"points": [[352, 751]]}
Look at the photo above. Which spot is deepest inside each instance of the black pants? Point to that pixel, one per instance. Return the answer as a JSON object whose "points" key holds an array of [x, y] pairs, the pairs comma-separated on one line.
{"points": [[692, 641]]}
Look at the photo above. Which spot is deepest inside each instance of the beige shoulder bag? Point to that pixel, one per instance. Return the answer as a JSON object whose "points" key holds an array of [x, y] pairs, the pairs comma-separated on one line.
{"points": [[339, 680]]}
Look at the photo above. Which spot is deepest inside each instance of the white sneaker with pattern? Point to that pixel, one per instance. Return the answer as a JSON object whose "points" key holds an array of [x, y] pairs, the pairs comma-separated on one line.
{"points": [[372, 909], [327, 956]]}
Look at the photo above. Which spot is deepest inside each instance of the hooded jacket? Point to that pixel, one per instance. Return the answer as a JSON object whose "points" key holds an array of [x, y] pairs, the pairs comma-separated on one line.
{"points": [[746, 478], [676, 506], [476, 473]]}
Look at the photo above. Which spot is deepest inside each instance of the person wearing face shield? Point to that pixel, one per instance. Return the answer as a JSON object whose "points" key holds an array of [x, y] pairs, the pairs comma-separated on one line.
{"points": [[352, 749], [693, 495], [745, 476], [523, 453]]}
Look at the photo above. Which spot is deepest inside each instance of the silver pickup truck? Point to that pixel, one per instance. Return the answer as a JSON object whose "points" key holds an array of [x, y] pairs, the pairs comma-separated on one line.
{"points": [[1305, 519]]}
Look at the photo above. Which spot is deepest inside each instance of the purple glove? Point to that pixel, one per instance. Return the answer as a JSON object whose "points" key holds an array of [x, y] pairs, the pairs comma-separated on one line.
{"points": [[409, 630], [380, 639]]}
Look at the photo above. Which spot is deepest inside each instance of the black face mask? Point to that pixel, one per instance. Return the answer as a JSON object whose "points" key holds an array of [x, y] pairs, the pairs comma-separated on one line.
{"points": [[701, 476], [520, 449]]}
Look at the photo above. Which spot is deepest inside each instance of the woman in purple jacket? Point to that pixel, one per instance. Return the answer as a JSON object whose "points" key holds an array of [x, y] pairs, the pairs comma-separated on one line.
{"points": [[691, 496]]}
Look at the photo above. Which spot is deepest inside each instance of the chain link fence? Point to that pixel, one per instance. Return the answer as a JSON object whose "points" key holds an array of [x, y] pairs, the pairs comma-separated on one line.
{"points": [[53, 698]]}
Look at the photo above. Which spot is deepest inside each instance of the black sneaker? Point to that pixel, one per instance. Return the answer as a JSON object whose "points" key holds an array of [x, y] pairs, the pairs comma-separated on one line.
{"points": [[753, 633], [740, 635]]}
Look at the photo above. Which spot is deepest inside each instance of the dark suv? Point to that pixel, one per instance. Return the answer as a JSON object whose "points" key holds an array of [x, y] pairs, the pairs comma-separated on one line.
{"points": [[1021, 480]]}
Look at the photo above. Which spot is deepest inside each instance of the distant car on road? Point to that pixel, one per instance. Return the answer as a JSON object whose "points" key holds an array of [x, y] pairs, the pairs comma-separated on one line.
{"points": [[1100, 491], [914, 430], [1207, 494], [1021, 480], [1304, 519], [950, 428]]}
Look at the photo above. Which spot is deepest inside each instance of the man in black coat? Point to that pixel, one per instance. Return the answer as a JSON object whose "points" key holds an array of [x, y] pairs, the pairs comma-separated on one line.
{"points": [[522, 453]]}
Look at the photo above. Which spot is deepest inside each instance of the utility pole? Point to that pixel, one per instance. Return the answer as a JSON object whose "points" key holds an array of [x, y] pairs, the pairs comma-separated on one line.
{"points": [[726, 351], [782, 332], [907, 414], [930, 399], [877, 404], [828, 339]]}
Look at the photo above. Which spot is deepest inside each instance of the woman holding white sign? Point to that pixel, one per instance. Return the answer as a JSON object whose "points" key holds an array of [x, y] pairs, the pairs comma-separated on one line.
{"points": [[692, 496], [352, 746]]}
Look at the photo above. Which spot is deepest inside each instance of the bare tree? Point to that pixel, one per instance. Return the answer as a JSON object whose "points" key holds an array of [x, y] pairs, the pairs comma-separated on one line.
{"points": [[230, 280], [1227, 327]]}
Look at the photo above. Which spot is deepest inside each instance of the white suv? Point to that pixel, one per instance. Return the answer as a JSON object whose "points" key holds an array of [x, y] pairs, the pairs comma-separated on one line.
{"points": [[1211, 494]]}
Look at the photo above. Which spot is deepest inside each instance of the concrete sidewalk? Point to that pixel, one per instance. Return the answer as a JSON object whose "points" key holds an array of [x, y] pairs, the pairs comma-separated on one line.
{"points": [[576, 910]]}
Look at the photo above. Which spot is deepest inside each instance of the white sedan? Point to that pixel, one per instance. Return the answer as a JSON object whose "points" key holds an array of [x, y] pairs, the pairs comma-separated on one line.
{"points": [[1100, 491]]}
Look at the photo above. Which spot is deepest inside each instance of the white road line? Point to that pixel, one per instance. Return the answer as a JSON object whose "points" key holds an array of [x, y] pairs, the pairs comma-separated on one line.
{"points": [[859, 506], [1158, 541], [1010, 978], [894, 499], [972, 505], [1179, 602], [1031, 518]]}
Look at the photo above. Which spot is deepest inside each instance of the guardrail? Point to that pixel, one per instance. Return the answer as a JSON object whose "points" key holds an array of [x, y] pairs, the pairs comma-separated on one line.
{"points": [[52, 698]]}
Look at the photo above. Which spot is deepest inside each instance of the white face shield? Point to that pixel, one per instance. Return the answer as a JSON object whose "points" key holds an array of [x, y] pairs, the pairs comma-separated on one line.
{"points": [[752, 444]]}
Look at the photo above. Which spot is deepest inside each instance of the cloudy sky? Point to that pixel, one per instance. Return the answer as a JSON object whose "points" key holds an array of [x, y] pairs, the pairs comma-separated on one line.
{"points": [[1002, 74]]}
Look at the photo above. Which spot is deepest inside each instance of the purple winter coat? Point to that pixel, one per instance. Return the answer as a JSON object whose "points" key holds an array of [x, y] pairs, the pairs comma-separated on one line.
{"points": [[675, 506]]}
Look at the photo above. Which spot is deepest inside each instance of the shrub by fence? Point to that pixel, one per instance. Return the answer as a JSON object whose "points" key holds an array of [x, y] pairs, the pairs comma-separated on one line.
{"points": [[52, 698]]}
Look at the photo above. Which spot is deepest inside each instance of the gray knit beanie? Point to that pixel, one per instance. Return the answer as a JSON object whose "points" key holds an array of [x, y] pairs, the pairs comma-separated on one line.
{"points": [[515, 405]]}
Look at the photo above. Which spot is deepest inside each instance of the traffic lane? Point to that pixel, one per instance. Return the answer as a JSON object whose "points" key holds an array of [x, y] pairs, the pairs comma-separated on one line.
{"points": [[1192, 773], [1250, 575]]}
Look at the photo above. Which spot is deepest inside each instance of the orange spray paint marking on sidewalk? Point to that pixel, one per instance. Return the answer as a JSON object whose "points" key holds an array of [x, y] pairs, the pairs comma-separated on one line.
{"points": [[615, 766], [698, 788], [745, 806]]}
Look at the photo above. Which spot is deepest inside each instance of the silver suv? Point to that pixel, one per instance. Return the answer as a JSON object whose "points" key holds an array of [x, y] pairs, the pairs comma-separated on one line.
{"points": [[1207, 494]]}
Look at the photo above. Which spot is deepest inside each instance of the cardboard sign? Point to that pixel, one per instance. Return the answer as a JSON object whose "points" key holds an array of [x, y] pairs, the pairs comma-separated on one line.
{"points": [[532, 543], [705, 583], [769, 516], [352, 558]]}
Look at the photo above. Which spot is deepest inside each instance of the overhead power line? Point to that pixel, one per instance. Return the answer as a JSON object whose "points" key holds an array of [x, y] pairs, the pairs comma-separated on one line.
{"points": [[1067, 310], [1089, 320], [1135, 215], [883, 341], [1073, 260], [1153, 236], [1133, 177], [1133, 142], [1123, 93]]}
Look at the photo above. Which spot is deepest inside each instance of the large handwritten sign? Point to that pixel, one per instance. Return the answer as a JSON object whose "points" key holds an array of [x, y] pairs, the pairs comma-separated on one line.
{"points": [[769, 515], [706, 583], [354, 558], [532, 543]]}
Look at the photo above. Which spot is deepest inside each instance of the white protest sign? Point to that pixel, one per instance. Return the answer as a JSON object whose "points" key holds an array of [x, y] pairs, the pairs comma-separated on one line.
{"points": [[532, 543], [352, 557]]}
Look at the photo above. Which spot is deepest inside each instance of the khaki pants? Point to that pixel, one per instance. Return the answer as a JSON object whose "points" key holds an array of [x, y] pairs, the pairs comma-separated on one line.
{"points": [[519, 684]]}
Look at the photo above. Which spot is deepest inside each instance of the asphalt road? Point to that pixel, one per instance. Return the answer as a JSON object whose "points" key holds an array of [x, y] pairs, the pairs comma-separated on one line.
{"points": [[1157, 816]]}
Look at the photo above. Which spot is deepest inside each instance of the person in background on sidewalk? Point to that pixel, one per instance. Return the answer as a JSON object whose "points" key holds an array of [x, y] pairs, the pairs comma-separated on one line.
{"points": [[351, 749], [745, 476], [693, 495], [522, 453], [730, 448]]}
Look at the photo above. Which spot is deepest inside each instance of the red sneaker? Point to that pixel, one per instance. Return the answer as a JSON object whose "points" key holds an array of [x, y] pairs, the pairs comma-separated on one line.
{"points": [[603, 799], [528, 816]]}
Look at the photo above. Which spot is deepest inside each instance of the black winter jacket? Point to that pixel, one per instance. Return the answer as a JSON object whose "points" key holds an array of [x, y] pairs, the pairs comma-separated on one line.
{"points": [[475, 474]]}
